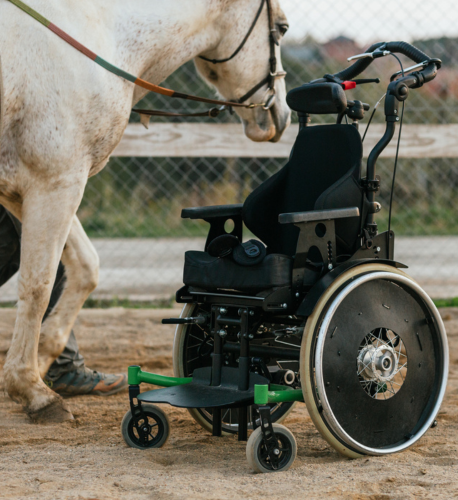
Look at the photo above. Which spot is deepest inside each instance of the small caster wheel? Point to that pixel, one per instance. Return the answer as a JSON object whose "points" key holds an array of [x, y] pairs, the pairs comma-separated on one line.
{"points": [[256, 452], [152, 432]]}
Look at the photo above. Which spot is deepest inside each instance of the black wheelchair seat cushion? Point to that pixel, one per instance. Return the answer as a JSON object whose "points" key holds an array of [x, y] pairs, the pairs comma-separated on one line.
{"points": [[210, 273], [250, 253]]}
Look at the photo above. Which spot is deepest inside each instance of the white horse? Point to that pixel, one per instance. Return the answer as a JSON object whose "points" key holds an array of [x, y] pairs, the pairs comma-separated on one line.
{"points": [[63, 116]]}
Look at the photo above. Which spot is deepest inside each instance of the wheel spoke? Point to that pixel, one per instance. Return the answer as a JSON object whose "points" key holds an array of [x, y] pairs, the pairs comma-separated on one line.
{"points": [[193, 346], [193, 359], [374, 380], [197, 338], [287, 343]]}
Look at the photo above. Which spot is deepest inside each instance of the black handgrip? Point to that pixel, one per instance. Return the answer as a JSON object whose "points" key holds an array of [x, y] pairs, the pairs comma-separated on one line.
{"points": [[418, 79], [408, 50], [399, 47], [359, 66]]}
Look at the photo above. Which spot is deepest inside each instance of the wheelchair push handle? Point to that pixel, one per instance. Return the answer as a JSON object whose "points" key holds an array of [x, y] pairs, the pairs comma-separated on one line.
{"points": [[359, 66], [381, 49]]}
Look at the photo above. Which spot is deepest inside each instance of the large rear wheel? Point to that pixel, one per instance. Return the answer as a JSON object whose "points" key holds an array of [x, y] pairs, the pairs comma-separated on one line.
{"points": [[375, 360]]}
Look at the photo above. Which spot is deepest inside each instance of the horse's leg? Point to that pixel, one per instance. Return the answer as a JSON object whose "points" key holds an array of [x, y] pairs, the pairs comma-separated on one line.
{"points": [[81, 271], [47, 216]]}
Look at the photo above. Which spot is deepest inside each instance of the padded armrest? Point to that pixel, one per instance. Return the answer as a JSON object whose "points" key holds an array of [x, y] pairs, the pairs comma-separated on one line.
{"points": [[212, 211], [317, 215]]}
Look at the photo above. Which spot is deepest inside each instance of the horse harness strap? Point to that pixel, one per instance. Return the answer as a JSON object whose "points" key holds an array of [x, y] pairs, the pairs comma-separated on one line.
{"points": [[273, 41], [146, 114], [151, 87], [240, 47]]}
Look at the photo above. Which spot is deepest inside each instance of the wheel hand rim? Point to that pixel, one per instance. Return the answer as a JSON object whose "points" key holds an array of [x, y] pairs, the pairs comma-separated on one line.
{"points": [[327, 411]]}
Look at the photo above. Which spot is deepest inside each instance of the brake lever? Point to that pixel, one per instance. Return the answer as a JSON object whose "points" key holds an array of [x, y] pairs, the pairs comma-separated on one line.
{"points": [[422, 65], [373, 55]]}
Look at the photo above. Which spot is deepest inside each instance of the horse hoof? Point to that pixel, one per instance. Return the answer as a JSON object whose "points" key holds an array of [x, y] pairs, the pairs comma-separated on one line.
{"points": [[56, 412]]}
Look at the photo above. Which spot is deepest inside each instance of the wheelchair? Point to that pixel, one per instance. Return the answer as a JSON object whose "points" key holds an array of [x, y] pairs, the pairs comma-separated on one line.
{"points": [[315, 310]]}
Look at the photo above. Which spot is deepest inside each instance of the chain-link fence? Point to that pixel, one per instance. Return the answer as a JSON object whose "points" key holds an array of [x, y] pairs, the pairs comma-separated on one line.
{"points": [[132, 209]]}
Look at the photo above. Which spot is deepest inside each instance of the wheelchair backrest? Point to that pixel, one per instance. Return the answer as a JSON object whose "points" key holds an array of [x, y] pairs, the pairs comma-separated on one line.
{"points": [[323, 171]]}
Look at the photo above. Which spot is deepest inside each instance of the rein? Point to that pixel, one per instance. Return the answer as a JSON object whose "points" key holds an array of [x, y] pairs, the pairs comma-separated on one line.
{"points": [[151, 87]]}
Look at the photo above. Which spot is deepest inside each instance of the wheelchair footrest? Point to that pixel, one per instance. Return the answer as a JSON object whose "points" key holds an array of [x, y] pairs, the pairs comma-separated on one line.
{"points": [[199, 393]]}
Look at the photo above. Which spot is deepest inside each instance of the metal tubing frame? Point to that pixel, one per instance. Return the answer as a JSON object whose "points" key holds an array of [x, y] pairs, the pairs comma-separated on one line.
{"points": [[371, 163], [135, 376], [264, 394], [260, 350], [244, 372]]}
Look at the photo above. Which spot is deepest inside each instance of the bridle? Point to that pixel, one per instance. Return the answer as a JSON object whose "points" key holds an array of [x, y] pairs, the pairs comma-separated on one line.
{"points": [[269, 80], [273, 74], [151, 87]]}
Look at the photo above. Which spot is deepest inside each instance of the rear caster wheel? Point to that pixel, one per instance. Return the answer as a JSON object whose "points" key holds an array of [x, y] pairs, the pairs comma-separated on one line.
{"points": [[152, 430], [374, 362], [256, 452]]}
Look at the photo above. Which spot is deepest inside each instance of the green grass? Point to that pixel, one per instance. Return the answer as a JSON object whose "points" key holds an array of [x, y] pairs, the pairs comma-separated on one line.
{"points": [[170, 303], [92, 303], [446, 302]]}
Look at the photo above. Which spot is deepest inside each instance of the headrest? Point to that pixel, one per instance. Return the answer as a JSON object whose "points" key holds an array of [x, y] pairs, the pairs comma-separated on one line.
{"points": [[318, 98]]}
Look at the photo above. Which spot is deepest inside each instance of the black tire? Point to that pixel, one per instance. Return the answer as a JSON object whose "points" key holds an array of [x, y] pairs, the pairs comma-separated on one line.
{"points": [[183, 367], [256, 451], [156, 428]]}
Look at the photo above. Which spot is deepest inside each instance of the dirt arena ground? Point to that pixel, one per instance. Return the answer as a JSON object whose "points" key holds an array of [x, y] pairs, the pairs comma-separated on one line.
{"points": [[87, 459]]}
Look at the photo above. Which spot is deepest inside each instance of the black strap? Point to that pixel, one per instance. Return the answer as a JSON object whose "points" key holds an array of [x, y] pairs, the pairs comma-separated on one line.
{"points": [[212, 112], [253, 91], [240, 47]]}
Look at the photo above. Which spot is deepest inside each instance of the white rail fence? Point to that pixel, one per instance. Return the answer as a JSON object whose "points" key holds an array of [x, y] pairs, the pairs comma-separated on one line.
{"points": [[151, 268], [195, 140]]}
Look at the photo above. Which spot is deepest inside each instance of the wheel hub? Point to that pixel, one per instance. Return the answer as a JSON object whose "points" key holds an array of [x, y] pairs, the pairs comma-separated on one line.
{"points": [[381, 363], [377, 364]]}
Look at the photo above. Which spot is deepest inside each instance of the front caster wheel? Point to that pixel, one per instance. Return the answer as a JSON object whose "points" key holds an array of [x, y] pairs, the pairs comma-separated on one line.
{"points": [[256, 451], [152, 430]]}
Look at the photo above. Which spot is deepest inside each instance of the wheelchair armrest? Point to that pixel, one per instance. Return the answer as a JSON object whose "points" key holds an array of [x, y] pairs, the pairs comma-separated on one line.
{"points": [[217, 216], [317, 215], [212, 211]]}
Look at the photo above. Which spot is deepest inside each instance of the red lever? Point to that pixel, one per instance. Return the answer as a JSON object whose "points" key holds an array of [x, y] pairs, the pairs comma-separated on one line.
{"points": [[348, 85]]}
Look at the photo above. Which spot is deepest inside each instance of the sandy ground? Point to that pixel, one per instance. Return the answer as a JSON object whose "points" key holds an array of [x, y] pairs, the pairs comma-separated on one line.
{"points": [[87, 458]]}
